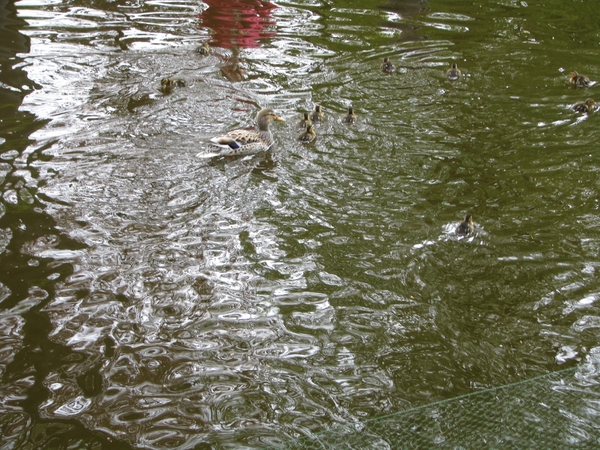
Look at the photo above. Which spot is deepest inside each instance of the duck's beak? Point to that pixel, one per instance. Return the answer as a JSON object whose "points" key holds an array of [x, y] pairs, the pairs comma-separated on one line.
{"points": [[278, 119]]}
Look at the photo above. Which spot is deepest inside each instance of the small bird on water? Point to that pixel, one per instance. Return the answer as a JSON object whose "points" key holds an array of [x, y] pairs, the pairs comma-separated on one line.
{"points": [[350, 117], [304, 122], [170, 83], [203, 50], [387, 66], [579, 80], [584, 107], [465, 228], [453, 73], [308, 135], [317, 115]]}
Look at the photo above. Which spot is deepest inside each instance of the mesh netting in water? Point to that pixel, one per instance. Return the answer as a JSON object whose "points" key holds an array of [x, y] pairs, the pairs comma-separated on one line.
{"points": [[555, 411]]}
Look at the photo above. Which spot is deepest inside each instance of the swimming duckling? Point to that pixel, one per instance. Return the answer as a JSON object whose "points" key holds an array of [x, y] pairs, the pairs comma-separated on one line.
{"points": [[387, 66], [317, 115], [170, 83], [584, 107], [465, 228], [453, 73], [350, 117], [304, 122], [203, 50], [245, 142], [307, 135], [578, 80]]}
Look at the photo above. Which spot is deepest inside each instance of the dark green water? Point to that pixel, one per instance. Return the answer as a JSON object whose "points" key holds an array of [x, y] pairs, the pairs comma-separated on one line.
{"points": [[153, 299]]}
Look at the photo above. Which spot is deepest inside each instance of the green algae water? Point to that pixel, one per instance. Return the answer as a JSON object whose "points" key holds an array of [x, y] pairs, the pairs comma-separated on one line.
{"points": [[152, 299]]}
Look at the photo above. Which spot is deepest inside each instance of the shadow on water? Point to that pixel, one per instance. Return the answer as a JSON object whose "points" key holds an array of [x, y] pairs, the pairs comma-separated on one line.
{"points": [[26, 282]]}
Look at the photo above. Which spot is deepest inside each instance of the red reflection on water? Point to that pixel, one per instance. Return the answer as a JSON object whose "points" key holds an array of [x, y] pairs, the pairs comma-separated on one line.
{"points": [[238, 23]]}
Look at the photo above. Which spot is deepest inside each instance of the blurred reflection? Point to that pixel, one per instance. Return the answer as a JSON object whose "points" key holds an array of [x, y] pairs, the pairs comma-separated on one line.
{"points": [[406, 9], [14, 83], [237, 24]]}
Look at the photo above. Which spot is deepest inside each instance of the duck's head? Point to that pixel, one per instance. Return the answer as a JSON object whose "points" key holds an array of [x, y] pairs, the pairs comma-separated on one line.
{"points": [[350, 110], [165, 82], [589, 103], [573, 75], [305, 116], [469, 218], [454, 66], [386, 60], [265, 117]]}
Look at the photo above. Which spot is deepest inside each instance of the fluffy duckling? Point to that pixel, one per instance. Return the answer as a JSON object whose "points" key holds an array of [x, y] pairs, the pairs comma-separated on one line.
{"points": [[203, 50], [170, 83], [465, 228], [304, 122], [584, 107], [578, 80], [245, 142], [307, 135], [453, 73], [317, 115], [387, 66], [350, 117]]}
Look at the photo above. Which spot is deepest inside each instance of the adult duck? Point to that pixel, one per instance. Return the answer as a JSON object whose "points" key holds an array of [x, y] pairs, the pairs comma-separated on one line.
{"points": [[245, 142]]}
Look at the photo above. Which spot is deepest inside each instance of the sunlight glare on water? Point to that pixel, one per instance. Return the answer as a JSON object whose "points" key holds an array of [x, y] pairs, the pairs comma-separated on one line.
{"points": [[154, 299]]}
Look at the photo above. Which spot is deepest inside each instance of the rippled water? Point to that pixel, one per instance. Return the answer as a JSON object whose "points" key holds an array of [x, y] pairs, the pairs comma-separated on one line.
{"points": [[154, 299]]}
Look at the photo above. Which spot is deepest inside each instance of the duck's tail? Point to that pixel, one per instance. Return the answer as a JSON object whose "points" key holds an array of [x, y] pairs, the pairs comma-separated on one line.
{"points": [[220, 146]]}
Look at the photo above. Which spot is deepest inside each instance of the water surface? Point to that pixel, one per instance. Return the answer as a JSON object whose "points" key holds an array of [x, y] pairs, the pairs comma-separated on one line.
{"points": [[154, 299]]}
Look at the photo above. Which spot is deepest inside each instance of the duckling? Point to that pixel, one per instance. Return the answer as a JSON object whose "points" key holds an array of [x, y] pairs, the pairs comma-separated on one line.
{"points": [[584, 107], [578, 80], [307, 135], [203, 50], [453, 73], [245, 142], [304, 122], [465, 228], [170, 83], [350, 117], [387, 66], [317, 115]]}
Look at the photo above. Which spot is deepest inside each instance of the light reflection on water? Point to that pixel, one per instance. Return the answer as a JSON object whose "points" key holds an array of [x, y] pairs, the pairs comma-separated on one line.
{"points": [[240, 302]]}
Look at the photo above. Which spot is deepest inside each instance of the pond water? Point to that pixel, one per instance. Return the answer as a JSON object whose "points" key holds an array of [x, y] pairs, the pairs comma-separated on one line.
{"points": [[151, 298]]}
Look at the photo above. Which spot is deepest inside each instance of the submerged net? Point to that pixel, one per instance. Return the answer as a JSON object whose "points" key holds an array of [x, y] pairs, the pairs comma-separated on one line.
{"points": [[559, 410]]}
